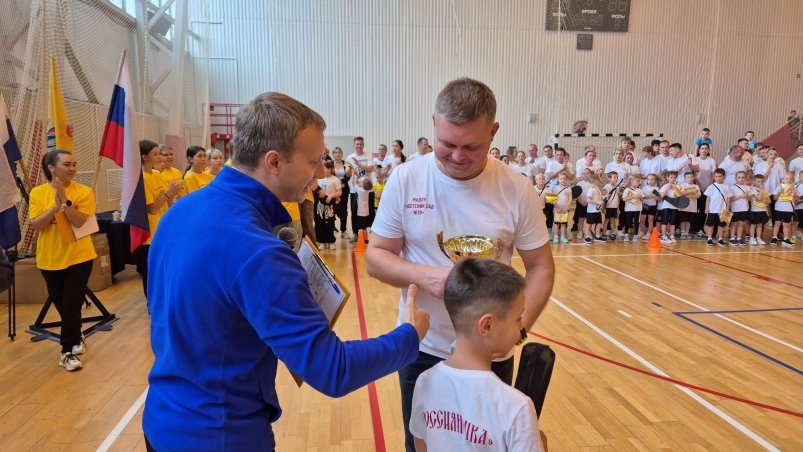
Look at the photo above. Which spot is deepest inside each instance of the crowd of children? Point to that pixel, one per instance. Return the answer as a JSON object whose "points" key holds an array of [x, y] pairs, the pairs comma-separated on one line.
{"points": [[679, 194]]}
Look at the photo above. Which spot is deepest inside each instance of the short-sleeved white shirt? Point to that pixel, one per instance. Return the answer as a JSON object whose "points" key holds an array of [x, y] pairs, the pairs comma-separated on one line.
{"points": [[740, 204], [364, 159], [717, 193], [466, 410], [706, 172], [419, 201], [731, 168]]}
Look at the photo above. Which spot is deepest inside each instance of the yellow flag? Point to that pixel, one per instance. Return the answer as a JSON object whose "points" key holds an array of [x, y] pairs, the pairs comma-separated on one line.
{"points": [[59, 134]]}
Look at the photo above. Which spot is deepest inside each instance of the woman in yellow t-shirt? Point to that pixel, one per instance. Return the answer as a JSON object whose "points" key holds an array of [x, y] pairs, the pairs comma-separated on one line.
{"points": [[169, 172], [65, 262], [196, 176], [159, 195]]}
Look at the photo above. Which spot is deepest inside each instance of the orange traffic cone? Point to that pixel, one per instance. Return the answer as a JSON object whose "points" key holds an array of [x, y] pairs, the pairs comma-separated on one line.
{"points": [[655, 240], [360, 247]]}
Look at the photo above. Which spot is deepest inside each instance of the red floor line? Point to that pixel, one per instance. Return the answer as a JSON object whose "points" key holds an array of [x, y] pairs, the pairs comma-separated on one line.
{"points": [[669, 379], [373, 400], [781, 258], [757, 275]]}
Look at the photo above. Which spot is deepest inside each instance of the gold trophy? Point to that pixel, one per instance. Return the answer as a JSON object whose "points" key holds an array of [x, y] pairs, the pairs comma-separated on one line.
{"points": [[466, 246], [476, 246]]}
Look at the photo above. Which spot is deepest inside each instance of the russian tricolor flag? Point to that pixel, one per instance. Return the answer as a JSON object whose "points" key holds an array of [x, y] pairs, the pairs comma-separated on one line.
{"points": [[119, 145]]}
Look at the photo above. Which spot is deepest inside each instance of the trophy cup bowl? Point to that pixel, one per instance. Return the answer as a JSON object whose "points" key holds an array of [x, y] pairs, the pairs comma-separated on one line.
{"points": [[470, 246]]}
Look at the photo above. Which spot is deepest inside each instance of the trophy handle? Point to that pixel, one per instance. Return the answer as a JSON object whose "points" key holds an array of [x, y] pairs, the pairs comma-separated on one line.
{"points": [[440, 245]]}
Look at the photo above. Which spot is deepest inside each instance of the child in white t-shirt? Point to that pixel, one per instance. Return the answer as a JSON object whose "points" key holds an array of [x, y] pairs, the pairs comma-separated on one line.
{"points": [[669, 213], [740, 207], [612, 196], [460, 404], [632, 196], [564, 200], [581, 208], [797, 222], [364, 188], [760, 198], [328, 193], [717, 202], [785, 200], [692, 191], [593, 227], [542, 190], [649, 205]]}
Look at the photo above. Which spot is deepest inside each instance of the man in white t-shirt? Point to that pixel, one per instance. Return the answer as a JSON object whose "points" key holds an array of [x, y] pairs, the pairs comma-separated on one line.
{"points": [[663, 157], [678, 161], [733, 163], [423, 149], [556, 167], [460, 191], [589, 161], [533, 159], [796, 165], [363, 165]]}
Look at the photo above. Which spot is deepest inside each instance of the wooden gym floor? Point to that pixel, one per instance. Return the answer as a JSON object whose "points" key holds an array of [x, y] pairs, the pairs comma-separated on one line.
{"points": [[685, 348]]}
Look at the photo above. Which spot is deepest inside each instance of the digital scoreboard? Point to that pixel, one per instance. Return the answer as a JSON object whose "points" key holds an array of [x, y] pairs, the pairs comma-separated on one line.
{"points": [[587, 15]]}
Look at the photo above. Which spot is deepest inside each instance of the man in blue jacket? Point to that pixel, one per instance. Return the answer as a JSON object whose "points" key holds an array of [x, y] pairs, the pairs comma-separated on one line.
{"points": [[224, 311]]}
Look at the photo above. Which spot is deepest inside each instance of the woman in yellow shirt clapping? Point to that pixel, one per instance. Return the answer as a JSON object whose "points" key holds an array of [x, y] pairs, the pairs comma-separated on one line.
{"points": [[65, 262]]}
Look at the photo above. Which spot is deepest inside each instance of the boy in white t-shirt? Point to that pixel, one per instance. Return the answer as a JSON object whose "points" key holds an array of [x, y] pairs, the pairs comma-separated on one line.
{"points": [[632, 196], [649, 205], [717, 201], [740, 206], [797, 222], [564, 199], [760, 198], [692, 191], [785, 200], [612, 196], [668, 211], [460, 404], [593, 227]]}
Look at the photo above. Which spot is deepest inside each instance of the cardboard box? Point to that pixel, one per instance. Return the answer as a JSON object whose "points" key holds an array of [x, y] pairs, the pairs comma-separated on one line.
{"points": [[101, 276], [31, 288]]}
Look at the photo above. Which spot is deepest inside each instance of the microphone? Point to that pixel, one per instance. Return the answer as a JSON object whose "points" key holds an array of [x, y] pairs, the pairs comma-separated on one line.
{"points": [[288, 236]]}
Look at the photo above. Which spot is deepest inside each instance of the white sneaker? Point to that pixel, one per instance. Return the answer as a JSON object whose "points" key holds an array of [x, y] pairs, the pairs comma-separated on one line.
{"points": [[760, 242], [619, 233], [753, 241], [79, 349], [70, 362], [626, 238]]}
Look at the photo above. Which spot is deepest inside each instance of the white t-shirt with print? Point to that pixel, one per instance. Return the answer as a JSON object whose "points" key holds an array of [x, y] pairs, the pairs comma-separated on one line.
{"points": [[364, 159], [648, 193], [782, 206], [692, 207], [330, 185], [668, 191], [419, 201], [461, 410], [755, 193], [634, 205], [551, 167], [620, 168], [717, 200]]}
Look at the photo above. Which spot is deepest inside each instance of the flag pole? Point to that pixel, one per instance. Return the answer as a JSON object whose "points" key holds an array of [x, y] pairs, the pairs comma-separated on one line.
{"points": [[97, 165]]}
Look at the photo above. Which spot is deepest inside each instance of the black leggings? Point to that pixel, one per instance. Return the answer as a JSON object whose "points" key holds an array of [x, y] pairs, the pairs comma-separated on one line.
{"points": [[141, 259], [66, 289]]}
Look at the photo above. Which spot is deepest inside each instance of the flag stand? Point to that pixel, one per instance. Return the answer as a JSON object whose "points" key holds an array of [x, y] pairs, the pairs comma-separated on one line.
{"points": [[103, 321], [12, 297]]}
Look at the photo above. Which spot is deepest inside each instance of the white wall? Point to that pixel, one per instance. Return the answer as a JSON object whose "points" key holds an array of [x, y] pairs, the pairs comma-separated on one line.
{"points": [[373, 68]]}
